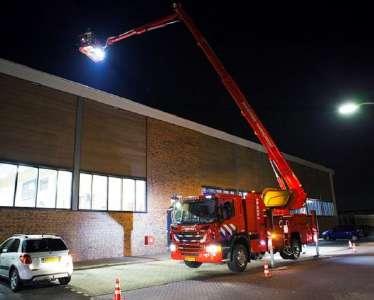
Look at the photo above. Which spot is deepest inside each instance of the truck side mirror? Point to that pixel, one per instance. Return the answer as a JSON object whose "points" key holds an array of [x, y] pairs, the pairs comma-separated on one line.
{"points": [[227, 210]]}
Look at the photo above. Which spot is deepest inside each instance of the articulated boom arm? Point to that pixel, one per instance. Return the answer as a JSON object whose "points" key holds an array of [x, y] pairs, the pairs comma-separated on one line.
{"points": [[285, 176]]}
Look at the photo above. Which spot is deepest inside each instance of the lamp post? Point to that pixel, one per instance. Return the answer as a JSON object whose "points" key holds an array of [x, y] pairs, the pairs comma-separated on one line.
{"points": [[351, 107]]}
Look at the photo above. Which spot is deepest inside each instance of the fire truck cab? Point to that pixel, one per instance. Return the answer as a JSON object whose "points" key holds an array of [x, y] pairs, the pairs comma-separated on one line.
{"points": [[230, 229]]}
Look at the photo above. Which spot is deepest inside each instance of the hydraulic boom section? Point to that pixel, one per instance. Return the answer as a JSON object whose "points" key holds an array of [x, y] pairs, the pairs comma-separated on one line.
{"points": [[291, 194]]}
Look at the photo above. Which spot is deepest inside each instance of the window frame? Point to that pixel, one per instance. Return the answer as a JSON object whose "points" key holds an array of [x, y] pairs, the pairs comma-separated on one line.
{"points": [[2, 245], [121, 204], [37, 190], [11, 245], [321, 207], [57, 168], [120, 177], [37, 166]]}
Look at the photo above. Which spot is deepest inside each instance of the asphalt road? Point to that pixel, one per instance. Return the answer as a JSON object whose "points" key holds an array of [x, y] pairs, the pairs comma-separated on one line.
{"points": [[338, 274]]}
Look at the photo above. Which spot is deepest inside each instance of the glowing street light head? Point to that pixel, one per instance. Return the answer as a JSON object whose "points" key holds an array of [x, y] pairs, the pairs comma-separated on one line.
{"points": [[91, 48], [348, 108]]}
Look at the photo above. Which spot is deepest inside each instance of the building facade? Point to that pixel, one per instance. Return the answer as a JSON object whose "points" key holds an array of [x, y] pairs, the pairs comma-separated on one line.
{"points": [[99, 170]]}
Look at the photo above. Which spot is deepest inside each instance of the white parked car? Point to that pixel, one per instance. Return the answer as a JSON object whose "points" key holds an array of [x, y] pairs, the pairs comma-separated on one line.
{"points": [[33, 258]]}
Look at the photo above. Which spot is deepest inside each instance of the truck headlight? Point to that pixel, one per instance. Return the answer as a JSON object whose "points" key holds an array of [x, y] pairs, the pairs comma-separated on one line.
{"points": [[173, 248], [213, 249]]}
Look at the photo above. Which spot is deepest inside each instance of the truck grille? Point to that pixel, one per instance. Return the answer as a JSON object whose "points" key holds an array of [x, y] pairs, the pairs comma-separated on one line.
{"points": [[190, 243], [189, 237], [190, 249]]}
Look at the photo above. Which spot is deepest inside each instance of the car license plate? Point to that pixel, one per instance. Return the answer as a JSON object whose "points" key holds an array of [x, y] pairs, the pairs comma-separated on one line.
{"points": [[190, 258], [52, 259]]}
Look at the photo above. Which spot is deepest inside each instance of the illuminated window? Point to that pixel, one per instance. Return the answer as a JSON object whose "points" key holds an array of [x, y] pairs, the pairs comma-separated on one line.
{"points": [[85, 190], [115, 193], [34, 187], [26, 186], [64, 189], [322, 208], [99, 192], [8, 174], [128, 195], [47, 185], [140, 200]]}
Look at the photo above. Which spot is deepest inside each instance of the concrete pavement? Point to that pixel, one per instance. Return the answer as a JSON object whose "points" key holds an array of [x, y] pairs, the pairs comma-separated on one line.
{"points": [[161, 278], [343, 276], [136, 276]]}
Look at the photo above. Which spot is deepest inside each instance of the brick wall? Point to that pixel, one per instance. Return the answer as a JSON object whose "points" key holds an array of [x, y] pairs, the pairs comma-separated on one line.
{"points": [[89, 235]]}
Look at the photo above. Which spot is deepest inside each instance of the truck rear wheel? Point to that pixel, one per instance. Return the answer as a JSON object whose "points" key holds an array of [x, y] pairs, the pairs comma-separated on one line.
{"points": [[239, 258], [193, 264], [293, 251]]}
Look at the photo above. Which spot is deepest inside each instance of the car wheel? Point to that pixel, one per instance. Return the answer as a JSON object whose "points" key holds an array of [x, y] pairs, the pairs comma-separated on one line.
{"points": [[193, 264], [14, 280], [64, 280], [239, 259]]}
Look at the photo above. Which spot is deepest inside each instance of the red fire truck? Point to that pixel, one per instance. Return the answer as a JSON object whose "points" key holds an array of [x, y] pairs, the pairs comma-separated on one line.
{"points": [[227, 228]]}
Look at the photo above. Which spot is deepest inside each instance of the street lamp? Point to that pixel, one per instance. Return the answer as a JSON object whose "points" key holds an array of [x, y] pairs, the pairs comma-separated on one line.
{"points": [[350, 108]]}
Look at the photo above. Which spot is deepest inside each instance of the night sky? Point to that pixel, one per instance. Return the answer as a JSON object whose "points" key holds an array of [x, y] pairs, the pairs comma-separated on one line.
{"points": [[295, 63]]}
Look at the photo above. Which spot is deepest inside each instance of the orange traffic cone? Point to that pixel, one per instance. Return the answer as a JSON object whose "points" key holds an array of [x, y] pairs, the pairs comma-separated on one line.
{"points": [[354, 247], [117, 291], [266, 269], [349, 244]]}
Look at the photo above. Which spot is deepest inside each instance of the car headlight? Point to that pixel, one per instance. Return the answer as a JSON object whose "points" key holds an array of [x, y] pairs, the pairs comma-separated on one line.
{"points": [[173, 247], [213, 249]]}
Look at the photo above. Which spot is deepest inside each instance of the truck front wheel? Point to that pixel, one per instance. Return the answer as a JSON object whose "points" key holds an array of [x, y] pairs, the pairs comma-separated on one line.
{"points": [[193, 264], [239, 258]]}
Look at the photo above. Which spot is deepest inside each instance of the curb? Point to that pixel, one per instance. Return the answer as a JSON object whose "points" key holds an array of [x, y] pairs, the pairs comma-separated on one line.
{"points": [[120, 263]]}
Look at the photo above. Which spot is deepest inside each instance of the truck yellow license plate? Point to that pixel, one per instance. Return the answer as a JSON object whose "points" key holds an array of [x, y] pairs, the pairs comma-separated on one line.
{"points": [[190, 258], [52, 259]]}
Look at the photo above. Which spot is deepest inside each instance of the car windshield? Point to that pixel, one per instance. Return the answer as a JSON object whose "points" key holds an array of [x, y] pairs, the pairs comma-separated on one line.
{"points": [[43, 244], [197, 211]]}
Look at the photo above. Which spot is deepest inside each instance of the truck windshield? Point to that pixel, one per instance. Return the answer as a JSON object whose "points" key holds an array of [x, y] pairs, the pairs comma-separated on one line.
{"points": [[193, 212]]}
